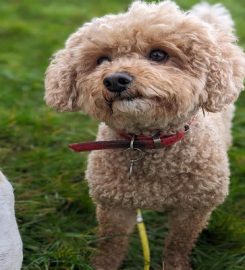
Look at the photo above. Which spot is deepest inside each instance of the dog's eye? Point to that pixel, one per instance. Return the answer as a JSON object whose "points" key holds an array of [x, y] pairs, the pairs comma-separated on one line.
{"points": [[158, 55], [102, 59]]}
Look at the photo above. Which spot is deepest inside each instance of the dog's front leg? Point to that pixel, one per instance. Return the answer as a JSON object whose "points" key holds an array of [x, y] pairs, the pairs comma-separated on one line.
{"points": [[115, 225], [184, 228]]}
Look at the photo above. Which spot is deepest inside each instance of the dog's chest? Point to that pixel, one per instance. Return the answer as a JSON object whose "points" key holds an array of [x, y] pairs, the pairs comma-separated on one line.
{"points": [[153, 177]]}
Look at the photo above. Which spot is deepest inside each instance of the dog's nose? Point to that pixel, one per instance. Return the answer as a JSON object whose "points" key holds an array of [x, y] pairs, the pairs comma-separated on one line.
{"points": [[117, 82]]}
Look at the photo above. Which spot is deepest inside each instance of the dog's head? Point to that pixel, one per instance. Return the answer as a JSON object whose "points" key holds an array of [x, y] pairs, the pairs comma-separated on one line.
{"points": [[145, 69]]}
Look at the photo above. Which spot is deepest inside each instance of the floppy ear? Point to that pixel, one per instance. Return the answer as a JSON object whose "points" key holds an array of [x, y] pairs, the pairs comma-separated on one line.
{"points": [[225, 76], [60, 82], [226, 60]]}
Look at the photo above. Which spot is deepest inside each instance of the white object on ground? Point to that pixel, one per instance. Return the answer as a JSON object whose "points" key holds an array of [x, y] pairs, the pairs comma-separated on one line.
{"points": [[11, 254]]}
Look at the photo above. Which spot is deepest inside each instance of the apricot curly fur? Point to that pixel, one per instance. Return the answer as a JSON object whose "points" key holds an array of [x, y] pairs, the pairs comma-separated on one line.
{"points": [[204, 71]]}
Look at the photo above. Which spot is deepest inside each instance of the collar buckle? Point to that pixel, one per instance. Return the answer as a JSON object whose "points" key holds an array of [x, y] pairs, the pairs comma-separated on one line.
{"points": [[157, 142], [156, 139]]}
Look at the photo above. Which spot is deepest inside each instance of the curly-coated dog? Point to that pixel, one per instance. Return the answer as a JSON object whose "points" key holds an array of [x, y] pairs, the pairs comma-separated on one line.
{"points": [[154, 70]]}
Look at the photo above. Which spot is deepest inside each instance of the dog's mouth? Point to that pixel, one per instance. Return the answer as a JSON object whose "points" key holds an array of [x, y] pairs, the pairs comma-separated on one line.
{"points": [[122, 98], [131, 103], [129, 98]]}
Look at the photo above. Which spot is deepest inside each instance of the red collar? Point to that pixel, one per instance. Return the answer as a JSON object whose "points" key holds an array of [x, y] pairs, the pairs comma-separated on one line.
{"points": [[132, 141]]}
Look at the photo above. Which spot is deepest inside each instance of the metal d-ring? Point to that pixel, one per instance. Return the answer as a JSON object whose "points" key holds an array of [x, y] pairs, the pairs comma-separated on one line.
{"points": [[141, 152], [132, 161]]}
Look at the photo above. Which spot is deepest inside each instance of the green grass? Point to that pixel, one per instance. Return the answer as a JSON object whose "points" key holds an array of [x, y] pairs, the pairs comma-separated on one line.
{"points": [[54, 212]]}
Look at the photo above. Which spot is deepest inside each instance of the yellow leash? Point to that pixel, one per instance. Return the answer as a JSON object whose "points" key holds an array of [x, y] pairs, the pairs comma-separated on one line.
{"points": [[140, 222], [144, 240]]}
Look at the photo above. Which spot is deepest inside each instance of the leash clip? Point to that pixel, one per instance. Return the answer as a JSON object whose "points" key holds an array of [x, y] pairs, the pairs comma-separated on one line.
{"points": [[134, 160]]}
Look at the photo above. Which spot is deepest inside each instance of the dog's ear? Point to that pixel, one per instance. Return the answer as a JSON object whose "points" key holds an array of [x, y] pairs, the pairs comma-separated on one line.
{"points": [[226, 61], [225, 76], [60, 82]]}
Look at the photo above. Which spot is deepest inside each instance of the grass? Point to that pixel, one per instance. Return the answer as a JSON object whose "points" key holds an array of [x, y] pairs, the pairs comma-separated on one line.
{"points": [[54, 212]]}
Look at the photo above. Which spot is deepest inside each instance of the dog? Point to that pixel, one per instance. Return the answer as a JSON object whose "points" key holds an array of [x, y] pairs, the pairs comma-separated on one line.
{"points": [[11, 254], [150, 74]]}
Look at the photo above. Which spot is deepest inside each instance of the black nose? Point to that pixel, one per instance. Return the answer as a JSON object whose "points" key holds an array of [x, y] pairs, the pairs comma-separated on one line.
{"points": [[118, 82]]}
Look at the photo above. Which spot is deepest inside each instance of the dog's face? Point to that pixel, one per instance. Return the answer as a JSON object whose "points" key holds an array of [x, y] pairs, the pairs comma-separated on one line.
{"points": [[149, 68]]}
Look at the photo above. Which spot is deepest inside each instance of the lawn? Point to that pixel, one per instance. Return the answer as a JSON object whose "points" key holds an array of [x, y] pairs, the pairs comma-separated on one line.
{"points": [[54, 212]]}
